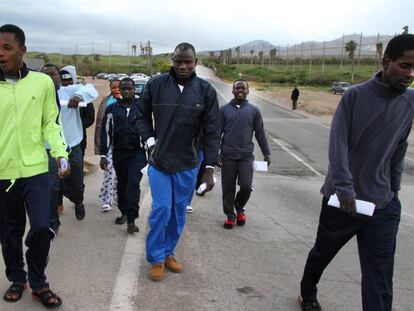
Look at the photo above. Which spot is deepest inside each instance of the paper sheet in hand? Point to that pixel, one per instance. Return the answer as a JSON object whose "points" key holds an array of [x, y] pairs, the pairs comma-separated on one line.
{"points": [[64, 102], [362, 207], [260, 166], [144, 170], [203, 186]]}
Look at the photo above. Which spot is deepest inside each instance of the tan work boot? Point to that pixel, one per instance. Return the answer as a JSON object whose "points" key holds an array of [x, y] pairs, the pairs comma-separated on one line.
{"points": [[173, 265], [157, 272]]}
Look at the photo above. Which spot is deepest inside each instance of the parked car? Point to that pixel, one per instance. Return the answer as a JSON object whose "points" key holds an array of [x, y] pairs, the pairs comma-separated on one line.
{"points": [[139, 86], [340, 87]]}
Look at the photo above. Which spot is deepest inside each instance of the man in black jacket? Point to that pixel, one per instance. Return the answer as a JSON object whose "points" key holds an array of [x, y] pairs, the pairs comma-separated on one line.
{"points": [[182, 104], [239, 119], [294, 97], [128, 152]]}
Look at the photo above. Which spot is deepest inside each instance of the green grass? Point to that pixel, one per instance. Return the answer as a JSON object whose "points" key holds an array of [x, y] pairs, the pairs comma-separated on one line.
{"points": [[290, 75]]}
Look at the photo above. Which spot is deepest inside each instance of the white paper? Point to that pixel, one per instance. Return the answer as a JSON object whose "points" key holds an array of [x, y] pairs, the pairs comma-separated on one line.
{"points": [[260, 166], [203, 186], [64, 102], [362, 207], [144, 171]]}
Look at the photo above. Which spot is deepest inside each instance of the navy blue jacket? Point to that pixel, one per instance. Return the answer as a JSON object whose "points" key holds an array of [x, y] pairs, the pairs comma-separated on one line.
{"points": [[117, 128], [178, 118], [237, 126]]}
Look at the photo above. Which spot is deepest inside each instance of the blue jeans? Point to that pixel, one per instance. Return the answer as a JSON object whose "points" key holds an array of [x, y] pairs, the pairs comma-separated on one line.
{"points": [[170, 193]]}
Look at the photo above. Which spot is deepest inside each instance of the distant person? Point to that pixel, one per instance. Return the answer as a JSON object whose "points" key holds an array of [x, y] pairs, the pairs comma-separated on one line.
{"points": [[294, 97], [70, 96], [368, 142], [29, 116], [129, 156], [174, 108], [87, 114], [239, 120], [108, 193]]}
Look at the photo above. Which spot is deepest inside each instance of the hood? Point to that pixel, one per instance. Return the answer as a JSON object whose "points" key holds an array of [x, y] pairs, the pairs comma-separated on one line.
{"points": [[72, 71]]}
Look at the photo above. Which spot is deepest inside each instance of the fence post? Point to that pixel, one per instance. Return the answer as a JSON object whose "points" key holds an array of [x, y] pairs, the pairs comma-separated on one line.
{"points": [[323, 59], [342, 51], [310, 61]]}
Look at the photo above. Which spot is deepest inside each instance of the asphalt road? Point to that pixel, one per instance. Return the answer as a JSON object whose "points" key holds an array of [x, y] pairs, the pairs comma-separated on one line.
{"points": [[95, 265]]}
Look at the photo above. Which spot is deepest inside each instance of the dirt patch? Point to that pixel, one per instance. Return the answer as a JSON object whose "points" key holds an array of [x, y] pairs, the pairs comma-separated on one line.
{"points": [[315, 102]]}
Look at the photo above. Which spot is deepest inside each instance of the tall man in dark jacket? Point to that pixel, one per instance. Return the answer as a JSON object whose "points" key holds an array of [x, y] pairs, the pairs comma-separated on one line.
{"points": [[128, 152], [367, 146], [182, 104], [239, 119]]}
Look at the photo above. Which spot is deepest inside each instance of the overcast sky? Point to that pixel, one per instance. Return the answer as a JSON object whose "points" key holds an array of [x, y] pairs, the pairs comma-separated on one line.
{"points": [[58, 25]]}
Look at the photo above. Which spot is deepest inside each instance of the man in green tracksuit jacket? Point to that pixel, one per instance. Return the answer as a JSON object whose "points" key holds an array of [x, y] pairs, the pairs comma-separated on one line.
{"points": [[29, 116]]}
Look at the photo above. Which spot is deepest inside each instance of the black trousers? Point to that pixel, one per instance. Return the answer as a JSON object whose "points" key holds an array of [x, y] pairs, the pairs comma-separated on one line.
{"points": [[128, 165], [71, 187], [26, 195], [231, 171], [376, 237]]}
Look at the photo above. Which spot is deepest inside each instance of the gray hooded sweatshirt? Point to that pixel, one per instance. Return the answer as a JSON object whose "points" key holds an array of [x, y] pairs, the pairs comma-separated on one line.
{"points": [[368, 142]]}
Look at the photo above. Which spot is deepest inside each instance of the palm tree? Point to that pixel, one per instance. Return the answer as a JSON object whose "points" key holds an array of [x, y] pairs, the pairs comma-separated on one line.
{"points": [[405, 30], [251, 56], [273, 56], [379, 47], [237, 49], [350, 47], [134, 50], [97, 58], [211, 53], [261, 58]]}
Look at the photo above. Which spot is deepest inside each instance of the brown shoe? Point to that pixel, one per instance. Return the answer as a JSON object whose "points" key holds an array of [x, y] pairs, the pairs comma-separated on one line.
{"points": [[173, 265], [157, 272]]}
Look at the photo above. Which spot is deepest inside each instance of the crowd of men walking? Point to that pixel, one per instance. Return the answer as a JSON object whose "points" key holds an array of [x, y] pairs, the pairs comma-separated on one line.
{"points": [[177, 128]]}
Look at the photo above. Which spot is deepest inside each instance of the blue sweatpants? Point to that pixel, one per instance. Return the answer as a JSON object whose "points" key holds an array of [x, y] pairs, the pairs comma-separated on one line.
{"points": [[170, 193]]}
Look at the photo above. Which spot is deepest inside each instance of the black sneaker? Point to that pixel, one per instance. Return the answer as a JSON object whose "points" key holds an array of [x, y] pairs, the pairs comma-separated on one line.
{"points": [[132, 228], [121, 220], [309, 304], [79, 211]]}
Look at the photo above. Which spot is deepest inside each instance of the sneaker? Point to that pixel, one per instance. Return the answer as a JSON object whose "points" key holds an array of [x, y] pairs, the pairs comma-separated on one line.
{"points": [[106, 208], [132, 228], [79, 211], [189, 209], [309, 304], [156, 272], [228, 224], [241, 219], [121, 220], [173, 265]]}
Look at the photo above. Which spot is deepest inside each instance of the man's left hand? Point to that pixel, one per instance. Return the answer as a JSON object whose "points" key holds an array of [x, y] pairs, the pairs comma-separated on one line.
{"points": [[208, 178], [268, 160], [74, 102]]}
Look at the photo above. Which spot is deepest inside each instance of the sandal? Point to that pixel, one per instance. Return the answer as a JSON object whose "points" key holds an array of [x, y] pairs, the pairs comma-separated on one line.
{"points": [[15, 290], [45, 298]]}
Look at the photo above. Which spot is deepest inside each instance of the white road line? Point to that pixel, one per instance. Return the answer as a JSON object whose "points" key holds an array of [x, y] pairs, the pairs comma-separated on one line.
{"points": [[283, 146], [126, 285]]}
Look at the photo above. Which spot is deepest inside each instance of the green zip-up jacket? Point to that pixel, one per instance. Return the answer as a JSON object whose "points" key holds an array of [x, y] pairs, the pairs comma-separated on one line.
{"points": [[29, 116]]}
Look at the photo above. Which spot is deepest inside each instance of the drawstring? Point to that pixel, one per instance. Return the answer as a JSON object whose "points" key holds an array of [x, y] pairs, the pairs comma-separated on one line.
{"points": [[12, 181]]}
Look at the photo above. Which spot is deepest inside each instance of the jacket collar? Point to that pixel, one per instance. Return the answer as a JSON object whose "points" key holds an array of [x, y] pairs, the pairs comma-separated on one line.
{"points": [[234, 103], [174, 75], [23, 72], [383, 88]]}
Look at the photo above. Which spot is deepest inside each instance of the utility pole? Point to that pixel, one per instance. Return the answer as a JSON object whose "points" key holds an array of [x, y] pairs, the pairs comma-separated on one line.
{"points": [[128, 51], [76, 55], [359, 50], [110, 55], [92, 53], [342, 52], [323, 59]]}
